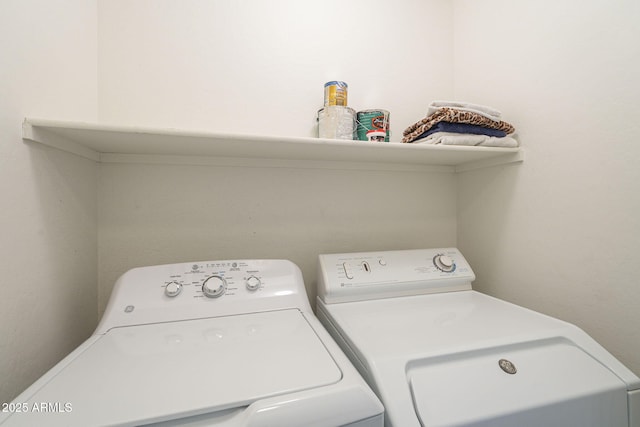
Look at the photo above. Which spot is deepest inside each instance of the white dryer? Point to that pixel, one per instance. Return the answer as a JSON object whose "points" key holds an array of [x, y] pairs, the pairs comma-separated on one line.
{"points": [[217, 343], [438, 353]]}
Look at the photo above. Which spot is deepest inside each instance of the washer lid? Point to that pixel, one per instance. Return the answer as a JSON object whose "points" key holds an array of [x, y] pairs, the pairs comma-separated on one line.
{"points": [[149, 373], [426, 325]]}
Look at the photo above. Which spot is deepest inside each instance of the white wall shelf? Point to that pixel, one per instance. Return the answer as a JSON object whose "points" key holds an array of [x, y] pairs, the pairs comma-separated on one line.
{"points": [[107, 143]]}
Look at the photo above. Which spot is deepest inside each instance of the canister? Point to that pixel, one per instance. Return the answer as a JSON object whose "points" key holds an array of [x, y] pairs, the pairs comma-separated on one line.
{"points": [[370, 123], [336, 122], [335, 93]]}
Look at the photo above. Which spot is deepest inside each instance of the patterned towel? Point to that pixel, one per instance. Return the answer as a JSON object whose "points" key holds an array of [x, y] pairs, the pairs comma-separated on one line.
{"points": [[483, 110], [453, 116]]}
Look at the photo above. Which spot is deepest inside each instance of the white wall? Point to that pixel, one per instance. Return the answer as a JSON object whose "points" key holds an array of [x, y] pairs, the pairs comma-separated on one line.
{"points": [[259, 67], [561, 232], [48, 209], [154, 214]]}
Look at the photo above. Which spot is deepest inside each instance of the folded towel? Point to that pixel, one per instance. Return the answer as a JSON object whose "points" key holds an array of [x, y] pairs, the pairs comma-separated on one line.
{"points": [[447, 114], [446, 138], [482, 110], [462, 128]]}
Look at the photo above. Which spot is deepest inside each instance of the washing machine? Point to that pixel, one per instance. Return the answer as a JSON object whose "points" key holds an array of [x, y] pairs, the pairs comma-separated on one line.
{"points": [[216, 343], [438, 353]]}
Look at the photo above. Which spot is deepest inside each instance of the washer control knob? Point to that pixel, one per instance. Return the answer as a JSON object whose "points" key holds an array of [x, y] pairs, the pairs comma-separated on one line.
{"points": [[253, 283], [347, 270], [173, 289], [214, 286], [444, 263]]}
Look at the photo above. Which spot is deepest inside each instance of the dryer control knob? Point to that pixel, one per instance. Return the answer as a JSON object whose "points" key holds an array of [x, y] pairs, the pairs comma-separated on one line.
{"points": [[214, 286], [444, 263], [173, 289], [253, 283]]}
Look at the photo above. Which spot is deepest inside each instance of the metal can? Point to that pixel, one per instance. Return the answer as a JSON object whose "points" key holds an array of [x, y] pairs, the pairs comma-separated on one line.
{"points": [[372, 125], [335, 93]]}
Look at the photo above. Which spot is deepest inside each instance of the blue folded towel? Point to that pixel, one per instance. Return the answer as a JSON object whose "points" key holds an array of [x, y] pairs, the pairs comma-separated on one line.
{"points": [[462, 128]]}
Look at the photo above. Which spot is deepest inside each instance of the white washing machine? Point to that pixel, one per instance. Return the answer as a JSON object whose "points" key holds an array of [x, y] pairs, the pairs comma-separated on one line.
{"points": [[438, 353], [218, 343]]}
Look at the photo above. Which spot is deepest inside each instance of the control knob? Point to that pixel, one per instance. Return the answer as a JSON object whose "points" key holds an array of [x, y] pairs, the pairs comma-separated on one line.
{"points": [[253, 283], [444, 263], [214, 286], [173, 289]]}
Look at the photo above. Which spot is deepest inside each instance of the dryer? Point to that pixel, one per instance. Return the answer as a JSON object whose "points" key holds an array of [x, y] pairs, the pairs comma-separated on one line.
{"points": [[215, 343], [438, 353]]}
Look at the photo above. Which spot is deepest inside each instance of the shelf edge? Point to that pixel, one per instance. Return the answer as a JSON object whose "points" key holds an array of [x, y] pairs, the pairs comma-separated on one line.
{"points": [[255, 162], [54, 133]]}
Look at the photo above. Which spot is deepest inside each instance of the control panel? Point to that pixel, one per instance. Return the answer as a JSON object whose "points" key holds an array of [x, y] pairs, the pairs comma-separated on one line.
{"points": [[372, 275], [203, 289]]}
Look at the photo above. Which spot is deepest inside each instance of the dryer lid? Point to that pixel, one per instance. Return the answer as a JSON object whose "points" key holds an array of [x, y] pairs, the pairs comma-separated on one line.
{"points": [[532, 384], [149, 373]]}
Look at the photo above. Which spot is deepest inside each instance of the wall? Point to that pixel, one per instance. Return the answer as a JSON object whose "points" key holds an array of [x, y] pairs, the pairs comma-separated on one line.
{"points": [[162, 214], [259, 67], [48, 209], [558, 233]]}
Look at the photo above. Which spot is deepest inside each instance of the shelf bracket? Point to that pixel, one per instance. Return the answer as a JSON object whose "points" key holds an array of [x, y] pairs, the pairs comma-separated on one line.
{"points": [[51, 139]]}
